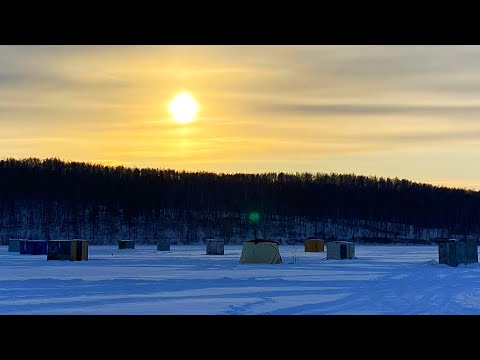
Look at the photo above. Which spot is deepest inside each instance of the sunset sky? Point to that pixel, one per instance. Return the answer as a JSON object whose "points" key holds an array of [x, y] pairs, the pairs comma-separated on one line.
{"points": [[395, 111]]}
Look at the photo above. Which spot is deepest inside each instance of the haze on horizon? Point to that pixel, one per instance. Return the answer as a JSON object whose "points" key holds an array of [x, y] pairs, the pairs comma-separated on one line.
{"points": [[410, 112]]}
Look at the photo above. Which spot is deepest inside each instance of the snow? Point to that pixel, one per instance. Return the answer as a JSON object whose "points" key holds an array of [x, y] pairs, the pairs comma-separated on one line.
{"points": [[381, 280]]}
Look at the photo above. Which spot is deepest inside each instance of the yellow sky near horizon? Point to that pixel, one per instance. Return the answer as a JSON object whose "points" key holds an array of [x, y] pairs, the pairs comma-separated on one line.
{"points": [[395, 111]]}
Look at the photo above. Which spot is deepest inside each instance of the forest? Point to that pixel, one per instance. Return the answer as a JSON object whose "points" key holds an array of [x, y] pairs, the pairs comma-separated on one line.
{"points": [[55, 199]]}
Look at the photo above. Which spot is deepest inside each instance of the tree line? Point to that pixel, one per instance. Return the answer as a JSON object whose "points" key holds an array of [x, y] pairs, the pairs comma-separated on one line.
{"points": [[52, 198]]}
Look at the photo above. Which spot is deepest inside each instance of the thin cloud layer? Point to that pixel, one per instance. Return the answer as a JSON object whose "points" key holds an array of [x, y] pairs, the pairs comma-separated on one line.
{"points": [[370, 109]]}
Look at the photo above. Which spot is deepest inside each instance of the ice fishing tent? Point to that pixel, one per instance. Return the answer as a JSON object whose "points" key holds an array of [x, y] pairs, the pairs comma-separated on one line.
{"points": [[314, 245], [73, 250], [126, 244], [339, 250], [260, 252], [453, 252], [215, 246], [14, 245], [163, 245], [33, 247]]}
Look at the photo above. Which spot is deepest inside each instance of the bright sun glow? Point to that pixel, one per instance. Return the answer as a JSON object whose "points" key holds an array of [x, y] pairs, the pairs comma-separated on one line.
{"points": [[183, 108]]}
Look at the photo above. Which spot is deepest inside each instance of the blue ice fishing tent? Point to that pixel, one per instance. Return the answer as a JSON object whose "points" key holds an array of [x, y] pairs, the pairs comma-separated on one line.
{"points": [[33, 247]]}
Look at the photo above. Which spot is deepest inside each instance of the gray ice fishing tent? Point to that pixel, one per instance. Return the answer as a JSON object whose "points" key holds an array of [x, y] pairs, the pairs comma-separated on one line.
{"points": [[163, 245], [339, 250], [453, 252], [215, 247], [126, 244]]}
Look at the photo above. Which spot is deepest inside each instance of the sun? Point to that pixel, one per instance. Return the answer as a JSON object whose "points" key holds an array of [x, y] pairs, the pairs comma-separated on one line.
{"points": [[183, 108]]}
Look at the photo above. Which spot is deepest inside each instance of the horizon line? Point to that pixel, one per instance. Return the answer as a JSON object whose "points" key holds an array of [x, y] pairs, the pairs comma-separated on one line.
{"points": [[133, 167]]}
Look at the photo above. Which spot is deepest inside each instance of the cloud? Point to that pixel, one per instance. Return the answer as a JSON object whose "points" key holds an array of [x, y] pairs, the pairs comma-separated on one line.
{"points": [[432, 137], [52, 80], [368, 109]]}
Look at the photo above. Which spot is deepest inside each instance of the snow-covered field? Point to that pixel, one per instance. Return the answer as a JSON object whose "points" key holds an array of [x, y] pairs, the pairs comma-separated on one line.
{"points": [[382, 280]]}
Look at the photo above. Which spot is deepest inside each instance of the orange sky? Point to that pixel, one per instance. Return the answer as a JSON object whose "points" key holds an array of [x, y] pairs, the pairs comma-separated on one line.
{"points": [[398, 111]]}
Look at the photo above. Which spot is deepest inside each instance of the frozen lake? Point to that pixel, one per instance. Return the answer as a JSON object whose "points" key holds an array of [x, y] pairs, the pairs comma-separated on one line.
{"points": [[382, 280]]}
